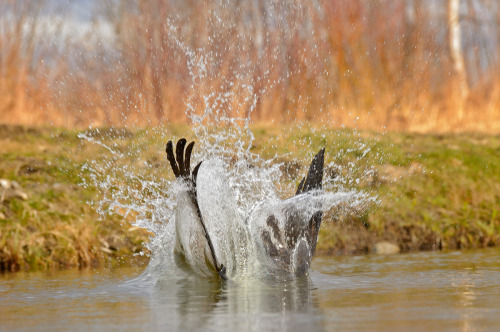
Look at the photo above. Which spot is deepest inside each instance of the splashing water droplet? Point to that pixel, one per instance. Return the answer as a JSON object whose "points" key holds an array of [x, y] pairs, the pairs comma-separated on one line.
{"points": [[238, 188]]}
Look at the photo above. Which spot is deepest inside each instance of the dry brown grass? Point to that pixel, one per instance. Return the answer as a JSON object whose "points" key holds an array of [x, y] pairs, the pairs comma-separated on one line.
{"points": [[354, 63]]}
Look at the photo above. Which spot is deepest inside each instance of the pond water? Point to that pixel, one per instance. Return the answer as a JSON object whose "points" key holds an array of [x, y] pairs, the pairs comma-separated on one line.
{"points": [[431, 291]]}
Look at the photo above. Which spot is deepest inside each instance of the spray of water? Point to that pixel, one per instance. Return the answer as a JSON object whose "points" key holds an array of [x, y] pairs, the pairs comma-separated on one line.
{"points": [[238, 185]]}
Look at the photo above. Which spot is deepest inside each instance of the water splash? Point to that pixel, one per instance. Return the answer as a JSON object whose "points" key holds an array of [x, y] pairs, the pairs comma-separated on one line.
{"points": [[130, 184], [135, 184]]}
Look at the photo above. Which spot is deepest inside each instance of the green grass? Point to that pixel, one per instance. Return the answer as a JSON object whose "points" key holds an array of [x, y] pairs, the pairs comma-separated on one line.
{"points": [[434, 191], [453, 198], [55, 227]]}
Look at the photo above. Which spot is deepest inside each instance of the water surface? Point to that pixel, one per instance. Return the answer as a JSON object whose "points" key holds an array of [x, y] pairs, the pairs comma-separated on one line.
{"points": [[425, 291]]}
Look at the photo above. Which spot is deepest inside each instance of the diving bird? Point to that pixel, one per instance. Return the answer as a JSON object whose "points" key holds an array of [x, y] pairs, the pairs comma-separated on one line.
{"points": [[212, 239]]}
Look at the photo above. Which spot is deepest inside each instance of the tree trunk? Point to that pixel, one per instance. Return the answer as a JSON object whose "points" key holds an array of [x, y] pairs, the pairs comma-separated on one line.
{"points": [[460, 87]]}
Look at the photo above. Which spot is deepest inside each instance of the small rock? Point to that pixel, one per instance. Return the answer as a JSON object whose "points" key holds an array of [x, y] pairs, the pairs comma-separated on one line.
{"points": [[385, 248], [16, 193], [2, 216], [58, 186], [5, 184]]}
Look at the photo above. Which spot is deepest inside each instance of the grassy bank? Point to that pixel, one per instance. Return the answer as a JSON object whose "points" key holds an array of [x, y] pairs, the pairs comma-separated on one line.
{"points": [[45, 221], [435, 192]]}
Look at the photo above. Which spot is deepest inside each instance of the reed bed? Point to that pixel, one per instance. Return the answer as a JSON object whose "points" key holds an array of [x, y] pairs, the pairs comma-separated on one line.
{"points": [[376, 65]]}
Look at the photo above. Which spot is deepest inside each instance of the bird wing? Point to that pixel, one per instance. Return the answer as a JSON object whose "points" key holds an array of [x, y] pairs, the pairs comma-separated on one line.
{"points": [[219, 211], [287, 230], [194, 248]]}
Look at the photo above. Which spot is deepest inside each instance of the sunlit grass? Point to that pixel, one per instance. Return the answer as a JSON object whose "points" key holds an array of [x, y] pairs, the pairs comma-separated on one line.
{"points": [[434, 191]]}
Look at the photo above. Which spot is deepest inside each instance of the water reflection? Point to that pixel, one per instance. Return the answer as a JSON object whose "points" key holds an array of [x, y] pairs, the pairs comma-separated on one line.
{"points": [[464, 283], [425, 291], [257, 304]]}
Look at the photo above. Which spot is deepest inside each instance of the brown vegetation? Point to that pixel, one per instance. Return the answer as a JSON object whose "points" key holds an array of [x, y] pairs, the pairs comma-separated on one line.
{"points": [[381, 64]]}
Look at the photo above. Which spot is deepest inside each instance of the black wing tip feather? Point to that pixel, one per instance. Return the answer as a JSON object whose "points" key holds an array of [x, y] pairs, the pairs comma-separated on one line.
{"points": [[195, 172], [171, 158], [181, 160], [314, 175], [179, 154], [187, 158], [301, 186]]}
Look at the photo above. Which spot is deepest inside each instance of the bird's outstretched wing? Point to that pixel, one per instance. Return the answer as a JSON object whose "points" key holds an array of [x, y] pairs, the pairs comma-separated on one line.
{"points": [[288, 229], [313, 181], [181, 166]]}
